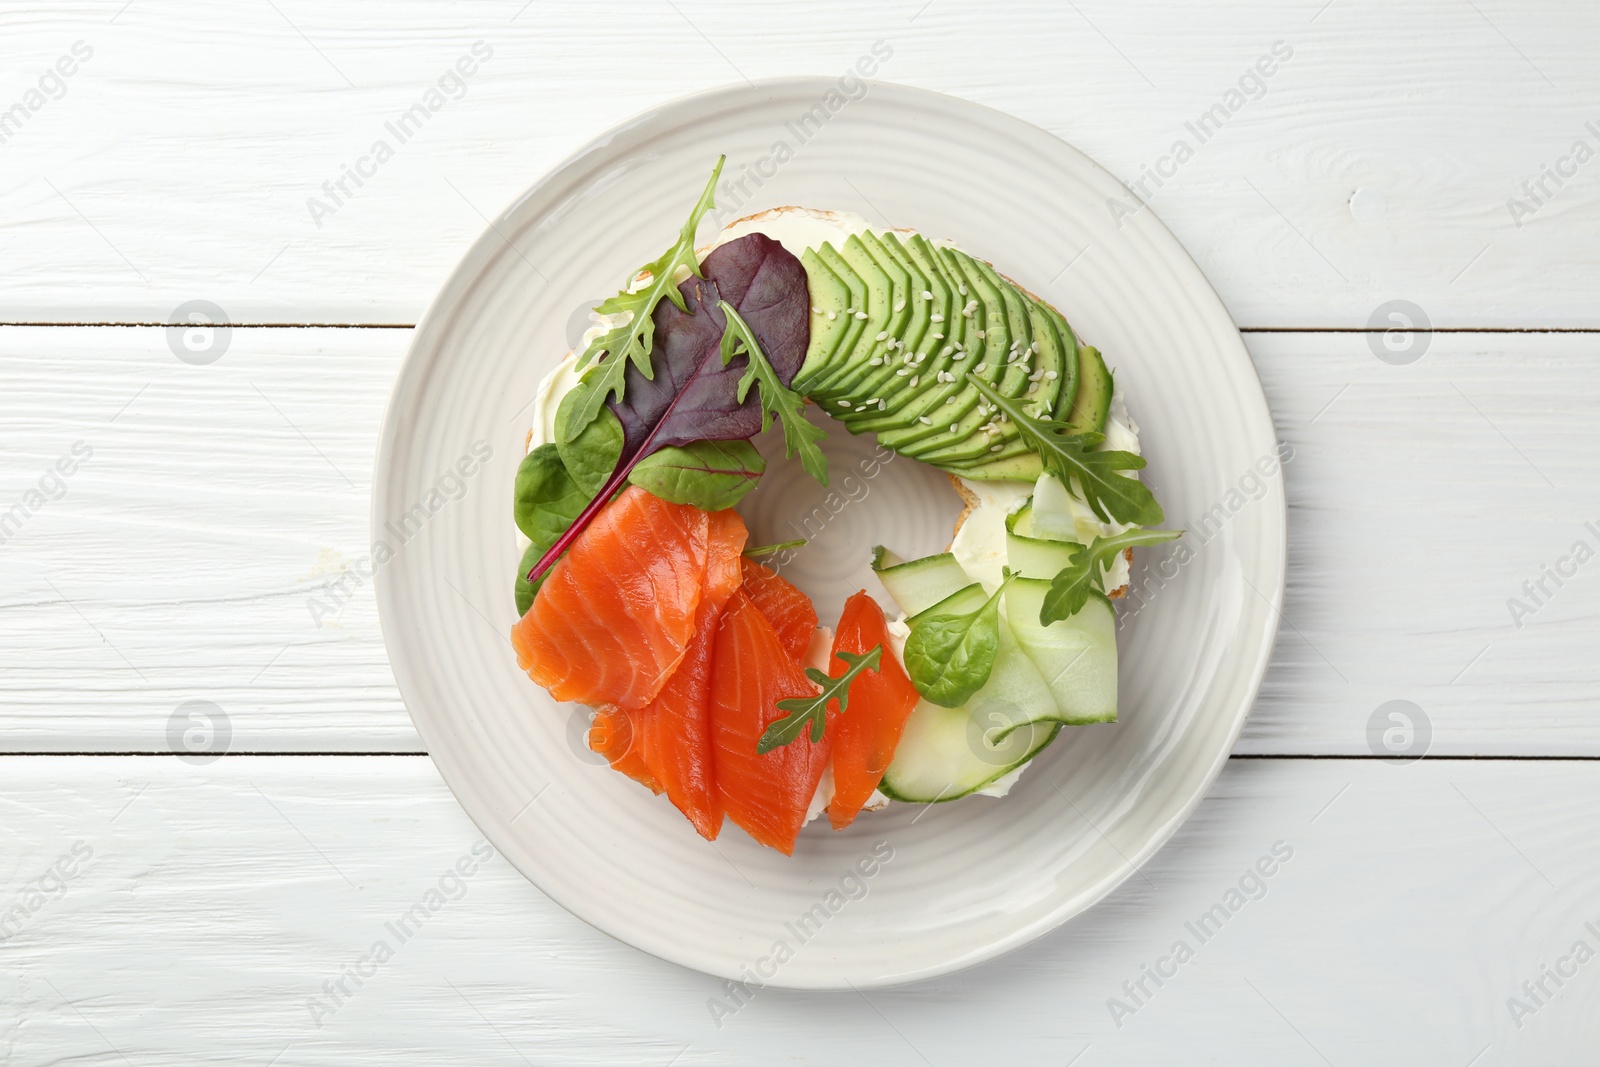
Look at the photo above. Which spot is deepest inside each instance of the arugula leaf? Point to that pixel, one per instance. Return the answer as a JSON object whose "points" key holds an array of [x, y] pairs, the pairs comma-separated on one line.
{"points": [[1069, 590], [813, 711], [949, 657], [631, 342], [693, 397], [711, 475], [547, 501], [777, 399], [768, 550], [1068, 453]]}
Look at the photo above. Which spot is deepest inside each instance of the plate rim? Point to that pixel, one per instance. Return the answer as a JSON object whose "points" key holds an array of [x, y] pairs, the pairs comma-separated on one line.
{"points": [[457, 282]]}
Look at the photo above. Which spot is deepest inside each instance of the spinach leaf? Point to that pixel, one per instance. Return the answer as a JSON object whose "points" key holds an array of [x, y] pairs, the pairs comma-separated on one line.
{"points": [[547, 498], [589, 449], [711, 475], [1069, 590], [547, 501], [524, 591], [950, 656]]}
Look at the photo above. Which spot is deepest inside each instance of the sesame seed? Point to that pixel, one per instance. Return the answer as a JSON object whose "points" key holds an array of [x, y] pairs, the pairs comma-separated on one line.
{"points": [[927, 295], [914, 379], [959, 355], [936, 337], [844, 403], [831, 316], [980, 368], [861, 314], [875, 361], [962, 289], [815, 310], [849, 311], [996, 448], [900, 305], [955, 426], [945, 351], [902, 372], [980, 334], [911, 357], [921, 356], [924, 420], [861, 407], [935, 318], [882, 334], [1052, 375], [883, 406]]}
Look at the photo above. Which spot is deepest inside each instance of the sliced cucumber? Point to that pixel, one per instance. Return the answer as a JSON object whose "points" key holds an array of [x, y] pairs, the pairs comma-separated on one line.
{"points": [[946, 753], [1034, 557], [920, 583], [1054, 518], [963, 601], [1077, 656]]}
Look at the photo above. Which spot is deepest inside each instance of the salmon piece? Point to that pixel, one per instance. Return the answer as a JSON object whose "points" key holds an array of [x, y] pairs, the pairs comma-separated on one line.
{"points": [[766, 794], [866, 733], [666, 745], [788, 609], [612, 735], [615, 614]]}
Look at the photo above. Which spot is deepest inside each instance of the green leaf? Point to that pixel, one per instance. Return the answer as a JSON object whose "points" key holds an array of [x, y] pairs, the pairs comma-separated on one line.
{"points": [[632, 340], [711, 475], [1069, 590], [769, 550], [523, 591], [1068, 453], [546, 503], [547, 499], [813, 711], [590, 449], [777, 399], [949, 657]]}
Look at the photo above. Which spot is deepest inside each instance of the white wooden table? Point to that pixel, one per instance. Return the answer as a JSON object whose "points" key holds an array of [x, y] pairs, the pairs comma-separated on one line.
{"points": [[157, 911]]}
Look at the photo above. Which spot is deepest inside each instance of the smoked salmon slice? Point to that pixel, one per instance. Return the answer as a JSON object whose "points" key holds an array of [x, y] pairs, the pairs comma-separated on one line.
{"points": [[788, 609], [671, 736], [866, 733], [616, 613], [612, 735], [766, 794]]}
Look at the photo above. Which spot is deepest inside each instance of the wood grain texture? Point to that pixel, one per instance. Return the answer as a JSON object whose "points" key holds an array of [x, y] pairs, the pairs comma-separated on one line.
{"points": [[1414, 901], [1376, 161], [220, 502]]}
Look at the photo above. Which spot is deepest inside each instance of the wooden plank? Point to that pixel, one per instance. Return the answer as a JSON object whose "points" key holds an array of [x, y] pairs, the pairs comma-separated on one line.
{"points": [[220, 500], [201, 910], [178, 161]]}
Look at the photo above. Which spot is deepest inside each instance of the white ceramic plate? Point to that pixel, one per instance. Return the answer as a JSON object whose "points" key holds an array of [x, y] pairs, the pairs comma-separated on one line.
{"points": [[964, 881]]}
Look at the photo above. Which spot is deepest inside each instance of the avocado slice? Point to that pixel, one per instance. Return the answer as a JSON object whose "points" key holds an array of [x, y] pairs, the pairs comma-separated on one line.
{"points": [[963, 414], [904, 423], [1071, 373], [1020, 467], [1093, 401], [829, 298], [881, 382], [895, 387], [854, 326], [885, 292]]}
